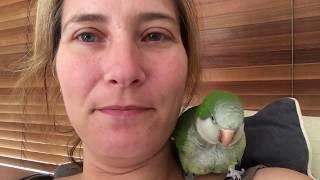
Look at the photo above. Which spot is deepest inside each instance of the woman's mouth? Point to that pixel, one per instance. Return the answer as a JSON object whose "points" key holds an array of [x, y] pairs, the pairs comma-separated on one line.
{"points": [[124, 111]]}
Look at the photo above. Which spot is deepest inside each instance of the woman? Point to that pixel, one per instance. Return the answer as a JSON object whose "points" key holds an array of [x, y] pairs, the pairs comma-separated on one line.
{"points": [[124, 69]]}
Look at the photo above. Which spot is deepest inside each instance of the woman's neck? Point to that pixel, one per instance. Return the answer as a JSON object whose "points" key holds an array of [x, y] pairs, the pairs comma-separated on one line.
{"points": [[162, 166]]}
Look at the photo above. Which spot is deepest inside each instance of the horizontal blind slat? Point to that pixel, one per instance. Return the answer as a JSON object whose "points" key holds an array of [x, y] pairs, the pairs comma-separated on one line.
{"points": [[30, 109], [36, 147], [32, 156], [37, 128], [34, 119], [249, 73], [9, 2], [15, 11], [247, 87], [16, 100], [28, 164], [61, 140]]}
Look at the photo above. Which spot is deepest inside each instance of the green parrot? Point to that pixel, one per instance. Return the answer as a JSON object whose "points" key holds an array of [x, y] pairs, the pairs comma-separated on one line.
{"points": [[210, 138]]}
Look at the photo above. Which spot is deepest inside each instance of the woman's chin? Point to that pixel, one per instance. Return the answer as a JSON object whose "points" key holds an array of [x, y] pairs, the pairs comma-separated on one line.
{"points": [[123, 146]]}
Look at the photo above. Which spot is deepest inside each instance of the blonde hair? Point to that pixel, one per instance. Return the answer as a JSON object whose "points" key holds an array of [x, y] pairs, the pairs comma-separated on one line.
{"points": [[39, 70]]}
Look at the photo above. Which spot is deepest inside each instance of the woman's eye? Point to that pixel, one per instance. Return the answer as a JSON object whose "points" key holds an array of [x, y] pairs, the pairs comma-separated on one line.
{"points": [[155, 36], [88, 37]]}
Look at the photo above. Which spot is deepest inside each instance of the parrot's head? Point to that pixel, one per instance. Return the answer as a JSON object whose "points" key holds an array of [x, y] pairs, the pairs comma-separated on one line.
{"points": [[220, 116]]}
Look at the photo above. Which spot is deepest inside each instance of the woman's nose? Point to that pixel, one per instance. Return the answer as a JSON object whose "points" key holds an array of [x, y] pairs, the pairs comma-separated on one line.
{"points": [[124, 62]]}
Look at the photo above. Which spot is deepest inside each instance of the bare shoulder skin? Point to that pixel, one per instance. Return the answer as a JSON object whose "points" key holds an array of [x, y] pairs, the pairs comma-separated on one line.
{"points": [[279, 174]]}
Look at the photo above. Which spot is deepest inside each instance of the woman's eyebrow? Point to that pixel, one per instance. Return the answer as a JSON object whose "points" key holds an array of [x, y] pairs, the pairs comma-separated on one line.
{"points": [[86, 18], [151, 16], [142, 18]]}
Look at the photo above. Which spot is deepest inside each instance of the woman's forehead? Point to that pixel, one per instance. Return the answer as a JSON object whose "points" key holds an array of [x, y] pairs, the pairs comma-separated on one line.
{"points": [[117, 9]]}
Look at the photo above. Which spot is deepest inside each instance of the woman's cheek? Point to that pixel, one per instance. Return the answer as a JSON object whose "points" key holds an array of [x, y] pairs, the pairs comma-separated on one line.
{"points": [[176, 70], [76, 78]]}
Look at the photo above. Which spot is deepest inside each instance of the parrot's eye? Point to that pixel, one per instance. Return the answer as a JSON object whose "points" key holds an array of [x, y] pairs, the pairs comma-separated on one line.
{"points": [[213, 120]]}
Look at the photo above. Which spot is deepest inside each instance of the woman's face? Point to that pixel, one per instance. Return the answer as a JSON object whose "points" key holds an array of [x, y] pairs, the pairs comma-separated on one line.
{"points": [[122, 69]]}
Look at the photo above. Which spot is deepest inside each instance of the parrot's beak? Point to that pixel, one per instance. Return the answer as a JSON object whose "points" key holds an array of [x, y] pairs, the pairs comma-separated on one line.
{"points": [[226, 136]]}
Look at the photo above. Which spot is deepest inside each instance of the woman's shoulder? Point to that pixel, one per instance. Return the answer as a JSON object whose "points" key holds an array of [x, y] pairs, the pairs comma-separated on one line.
{"points": [[279, 173]]}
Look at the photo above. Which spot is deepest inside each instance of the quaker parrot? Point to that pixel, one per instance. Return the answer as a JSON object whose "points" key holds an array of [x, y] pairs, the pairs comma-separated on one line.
{"points": [[210, 138]]}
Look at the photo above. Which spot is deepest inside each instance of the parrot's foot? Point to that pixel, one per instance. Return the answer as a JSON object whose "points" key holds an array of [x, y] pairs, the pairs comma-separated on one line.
{"points": [[234, 174]]}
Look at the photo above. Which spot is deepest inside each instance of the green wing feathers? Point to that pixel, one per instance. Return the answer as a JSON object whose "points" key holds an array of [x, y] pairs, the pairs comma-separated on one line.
{"points": [[183, 125]]}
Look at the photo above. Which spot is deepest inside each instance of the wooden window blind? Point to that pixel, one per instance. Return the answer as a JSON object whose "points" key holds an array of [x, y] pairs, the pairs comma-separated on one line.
{"points": [[29, 142], [261, 50]]}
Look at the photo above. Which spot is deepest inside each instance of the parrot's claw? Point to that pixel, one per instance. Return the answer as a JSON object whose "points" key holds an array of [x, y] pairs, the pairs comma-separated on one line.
{"points": [[234, 174]]}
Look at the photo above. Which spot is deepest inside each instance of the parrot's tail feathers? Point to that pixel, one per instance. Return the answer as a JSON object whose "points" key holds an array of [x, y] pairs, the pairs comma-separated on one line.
{"points": [[234, 174]]}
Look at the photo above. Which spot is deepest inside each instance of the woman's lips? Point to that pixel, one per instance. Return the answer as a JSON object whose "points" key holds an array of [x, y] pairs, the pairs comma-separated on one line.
{"points": [[121, 111]]}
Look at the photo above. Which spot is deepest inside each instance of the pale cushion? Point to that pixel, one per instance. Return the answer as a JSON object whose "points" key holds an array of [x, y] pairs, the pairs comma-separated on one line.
{"points": [[312, 126]]}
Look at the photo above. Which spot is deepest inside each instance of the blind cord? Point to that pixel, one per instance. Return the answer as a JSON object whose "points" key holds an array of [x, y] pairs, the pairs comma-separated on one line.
{"points": [[292, 48]]}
